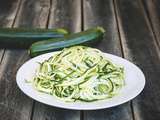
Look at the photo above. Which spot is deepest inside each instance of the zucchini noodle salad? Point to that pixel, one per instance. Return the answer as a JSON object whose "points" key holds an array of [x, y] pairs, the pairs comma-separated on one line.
{"points": [[79, 73]]}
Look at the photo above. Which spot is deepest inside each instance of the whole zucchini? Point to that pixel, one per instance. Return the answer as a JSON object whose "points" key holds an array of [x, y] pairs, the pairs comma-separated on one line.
{"points": [[24, 37], [85, 37]]}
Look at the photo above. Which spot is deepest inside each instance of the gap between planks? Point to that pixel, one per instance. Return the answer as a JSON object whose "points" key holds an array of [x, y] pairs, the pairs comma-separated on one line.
{"points": [[82, 28], [49, 14], [18, 8], [51, 22], [12, 24], [2, 55], [149, 9], [149, 24], [121, 35], [46, 26]]}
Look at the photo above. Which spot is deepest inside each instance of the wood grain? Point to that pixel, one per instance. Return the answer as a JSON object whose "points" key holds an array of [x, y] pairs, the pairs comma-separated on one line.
{"points": [[8, 11], [101, 13], [137, 42], [33, 13], [152, 7], [66, 14], [45, 112], [140, 47], [14, 105], [11, 98]]}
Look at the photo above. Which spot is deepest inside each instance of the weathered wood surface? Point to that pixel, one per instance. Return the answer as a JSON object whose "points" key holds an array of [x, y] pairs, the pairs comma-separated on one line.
{"points": [[33, 13], [11, 98], [38, 18], [140, 47], [128, 34], [152, 8], [8, 11], [14, 104], [66, 14], [102, 13]]}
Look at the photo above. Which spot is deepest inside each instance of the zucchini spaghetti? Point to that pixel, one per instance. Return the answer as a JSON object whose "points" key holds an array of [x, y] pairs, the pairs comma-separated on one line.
{"points": [[79, 73]]}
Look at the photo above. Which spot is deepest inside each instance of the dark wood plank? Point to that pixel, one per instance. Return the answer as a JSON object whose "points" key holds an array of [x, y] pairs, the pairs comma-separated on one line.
{"points": [[13, 102], [14, 105], [101, 13], [140, 47], [33, 13], [44, 112], [8, 10], [66, 14], [152, 7]]}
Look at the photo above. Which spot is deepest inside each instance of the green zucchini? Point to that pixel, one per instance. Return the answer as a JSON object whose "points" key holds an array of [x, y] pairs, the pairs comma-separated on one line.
{"points": [[85, 37], [24, 37]]}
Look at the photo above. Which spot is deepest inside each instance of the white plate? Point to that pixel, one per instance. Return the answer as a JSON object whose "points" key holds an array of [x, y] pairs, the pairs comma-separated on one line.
{"points": [[134, 84]]}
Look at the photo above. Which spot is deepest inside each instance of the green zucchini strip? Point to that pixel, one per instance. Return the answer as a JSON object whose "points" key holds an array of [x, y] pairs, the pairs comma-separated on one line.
{"points": [[79, 73]]}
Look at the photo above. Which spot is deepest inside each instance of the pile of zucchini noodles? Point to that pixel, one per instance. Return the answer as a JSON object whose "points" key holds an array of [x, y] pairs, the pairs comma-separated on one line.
{"points": [[79, 73]]}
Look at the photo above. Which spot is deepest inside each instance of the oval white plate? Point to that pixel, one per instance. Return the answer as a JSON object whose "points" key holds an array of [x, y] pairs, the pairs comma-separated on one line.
{"points": [[134, 84]]}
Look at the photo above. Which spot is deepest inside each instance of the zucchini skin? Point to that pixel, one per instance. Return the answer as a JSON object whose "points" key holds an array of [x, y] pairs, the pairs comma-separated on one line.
{"points": [[24, 37], [87, 37]]}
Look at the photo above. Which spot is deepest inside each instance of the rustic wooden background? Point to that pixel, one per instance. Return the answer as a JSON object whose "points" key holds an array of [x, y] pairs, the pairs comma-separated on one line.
{"points": [[132, 31]]}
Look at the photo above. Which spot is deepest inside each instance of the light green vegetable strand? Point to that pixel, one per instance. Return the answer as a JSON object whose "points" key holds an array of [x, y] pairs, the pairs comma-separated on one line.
{"points": [[79, 73]]}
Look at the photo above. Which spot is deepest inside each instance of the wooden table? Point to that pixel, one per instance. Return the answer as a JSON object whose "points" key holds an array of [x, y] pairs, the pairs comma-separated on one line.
{"points": [[132, 31]]}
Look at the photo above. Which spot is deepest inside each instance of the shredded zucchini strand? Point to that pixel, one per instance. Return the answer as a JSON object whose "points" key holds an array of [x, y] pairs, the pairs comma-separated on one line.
{"points": [[79, 73]]}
